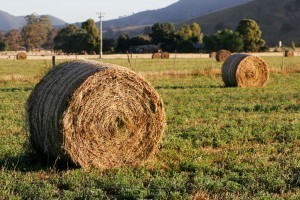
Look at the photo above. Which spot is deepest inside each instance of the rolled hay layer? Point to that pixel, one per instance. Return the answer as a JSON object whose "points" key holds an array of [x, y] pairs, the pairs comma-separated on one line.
{"points": [[156, 56], [289, 53], [222, 55], [243, 70], [21, 56], [95, 115], [165, 55]]}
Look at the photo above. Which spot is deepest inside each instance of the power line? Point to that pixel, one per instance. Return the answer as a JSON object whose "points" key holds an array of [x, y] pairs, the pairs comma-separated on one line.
{"points": [[101, 15]]}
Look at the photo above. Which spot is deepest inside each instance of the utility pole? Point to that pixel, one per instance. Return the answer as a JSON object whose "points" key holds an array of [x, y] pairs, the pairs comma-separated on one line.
{"points": [[100, 32]]}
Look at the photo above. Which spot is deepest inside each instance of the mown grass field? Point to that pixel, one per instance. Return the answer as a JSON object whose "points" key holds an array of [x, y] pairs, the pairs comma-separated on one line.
{"points": [[221, 143]]}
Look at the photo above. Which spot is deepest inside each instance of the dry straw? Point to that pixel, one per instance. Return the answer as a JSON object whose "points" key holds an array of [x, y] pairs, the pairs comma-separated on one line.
{"points": [[95, 115], [21, 56], [242, 70], [156, 56], [222, 55], [213, 54], [165, 55], [289, 53]]}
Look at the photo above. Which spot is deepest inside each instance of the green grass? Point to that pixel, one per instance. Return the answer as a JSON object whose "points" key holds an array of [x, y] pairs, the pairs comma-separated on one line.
{"points": [[222, 143]]}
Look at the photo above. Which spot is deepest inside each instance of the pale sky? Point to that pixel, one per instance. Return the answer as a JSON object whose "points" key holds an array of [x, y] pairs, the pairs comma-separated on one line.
{"points": [[73, 11]]}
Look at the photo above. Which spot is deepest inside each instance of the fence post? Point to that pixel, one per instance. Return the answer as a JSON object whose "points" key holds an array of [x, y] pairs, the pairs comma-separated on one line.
{"points": [[53, 61]]}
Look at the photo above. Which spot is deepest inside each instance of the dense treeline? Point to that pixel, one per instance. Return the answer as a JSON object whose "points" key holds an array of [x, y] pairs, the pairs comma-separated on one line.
{"points": [[38, 33]]}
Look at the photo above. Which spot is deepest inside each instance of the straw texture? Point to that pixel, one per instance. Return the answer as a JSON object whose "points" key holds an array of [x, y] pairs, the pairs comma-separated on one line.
{"points": [[242, 70], [289, 53], [156, 56], [165, 55], [21, 56], [95, 115], [222, 55]]}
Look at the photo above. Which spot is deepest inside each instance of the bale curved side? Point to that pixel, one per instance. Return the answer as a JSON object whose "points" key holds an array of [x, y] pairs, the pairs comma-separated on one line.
{"points": [[289, 53], [165, 55], [95, 115], [156, 56], [242, 70], [222, 55], [21, 56]]}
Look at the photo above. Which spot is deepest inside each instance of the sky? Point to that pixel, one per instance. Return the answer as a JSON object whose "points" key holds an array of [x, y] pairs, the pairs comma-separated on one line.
{"points": [[73, 11]]}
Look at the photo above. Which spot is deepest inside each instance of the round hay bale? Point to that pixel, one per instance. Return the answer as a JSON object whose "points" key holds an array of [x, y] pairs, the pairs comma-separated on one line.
{"points": [[156, 56], [289, 53], [95, 115], [213, 54], [222, 55], [21, 56], [242, 70], [165, 55]]}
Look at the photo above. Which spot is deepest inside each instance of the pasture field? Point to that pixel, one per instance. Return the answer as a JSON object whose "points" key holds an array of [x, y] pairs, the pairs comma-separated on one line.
{"points": [[221, 143]]}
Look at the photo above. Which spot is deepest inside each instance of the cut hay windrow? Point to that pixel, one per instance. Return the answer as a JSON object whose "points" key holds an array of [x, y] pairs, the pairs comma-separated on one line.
{"points": [[222, 55], [165, 55], [21, 56], [156, 56], [95, 115], [289, 53], [243, 70]]}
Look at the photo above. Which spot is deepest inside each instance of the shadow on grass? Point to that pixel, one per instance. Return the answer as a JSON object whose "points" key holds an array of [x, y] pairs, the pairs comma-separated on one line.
{"points": [[30, 161]]}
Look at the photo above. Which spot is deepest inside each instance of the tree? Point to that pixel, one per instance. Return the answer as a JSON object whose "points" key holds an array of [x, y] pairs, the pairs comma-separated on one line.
{"points": [[185, 32], [62, 38], [13, 39], [164, 34], [251, 35], [92, 37], [185, 46], [3, 45], [123, 42], [109, 45], [197, 35], [36, 31], [224, 39], [230, 40], [139, 40]]}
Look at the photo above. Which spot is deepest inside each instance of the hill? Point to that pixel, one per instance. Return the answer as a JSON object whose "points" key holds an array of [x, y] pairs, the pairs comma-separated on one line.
{"points": [[8, 21], [179, 11], [279, 20]]}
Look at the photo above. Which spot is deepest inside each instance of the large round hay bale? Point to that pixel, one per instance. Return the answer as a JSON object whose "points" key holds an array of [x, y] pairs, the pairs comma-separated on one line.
{"points": [[243, 70], [289, 53], [21, 56], [222, 55], [165, 55], [213, 54], [95, 115], [156, 56]]}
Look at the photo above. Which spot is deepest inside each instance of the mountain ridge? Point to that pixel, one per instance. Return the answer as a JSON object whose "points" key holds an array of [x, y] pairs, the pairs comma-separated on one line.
{"points": [[9, 22], [174, 13]]}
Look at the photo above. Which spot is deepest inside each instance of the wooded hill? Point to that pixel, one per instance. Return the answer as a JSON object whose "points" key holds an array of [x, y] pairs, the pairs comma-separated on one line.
{"points": [[279, 20], [179, 11]]}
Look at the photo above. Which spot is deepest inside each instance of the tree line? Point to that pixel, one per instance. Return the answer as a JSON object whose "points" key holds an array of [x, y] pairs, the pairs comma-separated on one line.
{"points": [[38, 33]]}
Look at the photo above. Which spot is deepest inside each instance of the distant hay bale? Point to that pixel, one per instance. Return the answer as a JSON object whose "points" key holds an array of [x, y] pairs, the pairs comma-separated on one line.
{"points": [[156, 56], [95, 115], [165, 55], [222, 55], [289, 53], [242, 70], [21, 56], [213, 54]]}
